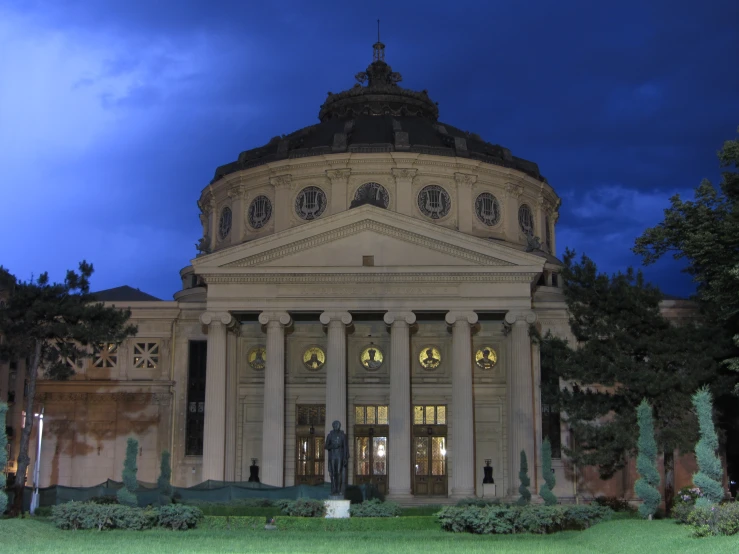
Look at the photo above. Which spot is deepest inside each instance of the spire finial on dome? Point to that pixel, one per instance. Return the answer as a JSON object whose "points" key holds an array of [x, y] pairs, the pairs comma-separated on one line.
{"points": [[378, 49]]}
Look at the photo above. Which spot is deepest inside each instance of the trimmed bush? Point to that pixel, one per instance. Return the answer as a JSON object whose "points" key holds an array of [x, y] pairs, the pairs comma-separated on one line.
{"points": [[503, 520], [302, 507], [707, 521], [165, 474], [614, 503], [87, 515], [178, 517], [523, 477], [709, 478], [320, 524], [545, 491], [103, 500], [375, 508], [647, 487], [481, 502], [127, 494]]}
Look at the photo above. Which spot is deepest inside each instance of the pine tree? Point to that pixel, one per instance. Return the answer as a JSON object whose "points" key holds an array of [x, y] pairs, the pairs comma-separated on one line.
{"points": [[709, 478], [545, 491], [53, 326], [523, 476], [165, 475], [646, 487], [127, 494], [3, 457]]}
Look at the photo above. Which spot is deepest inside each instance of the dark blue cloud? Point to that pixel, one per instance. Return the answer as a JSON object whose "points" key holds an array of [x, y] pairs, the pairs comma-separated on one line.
{"points": [[117, 112]]}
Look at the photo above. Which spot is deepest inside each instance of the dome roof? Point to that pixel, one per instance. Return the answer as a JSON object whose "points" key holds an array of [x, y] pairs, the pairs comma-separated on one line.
{"points": [[377, 115]]}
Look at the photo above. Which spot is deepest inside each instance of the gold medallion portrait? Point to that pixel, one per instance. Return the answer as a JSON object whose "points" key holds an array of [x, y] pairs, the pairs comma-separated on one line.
{"points": [[430, 357], [486, 358], [371, 358], [257, 358], [314, 358]]}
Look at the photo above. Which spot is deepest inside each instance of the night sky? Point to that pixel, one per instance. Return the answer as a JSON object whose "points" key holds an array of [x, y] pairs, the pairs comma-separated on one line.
{"points": [[115, 114]]}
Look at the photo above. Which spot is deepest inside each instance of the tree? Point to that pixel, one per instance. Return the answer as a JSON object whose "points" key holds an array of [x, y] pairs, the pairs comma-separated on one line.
{"points": [[628, 351], [709, 478], [53, 326], [545, 491], [523, 477], [127, 493], [705, 233], [646, 487], [165, 475], [3, 457]]}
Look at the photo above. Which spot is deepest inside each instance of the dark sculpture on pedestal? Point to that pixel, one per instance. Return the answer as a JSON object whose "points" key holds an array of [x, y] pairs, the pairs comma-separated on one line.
{"points": [[338, 460]]}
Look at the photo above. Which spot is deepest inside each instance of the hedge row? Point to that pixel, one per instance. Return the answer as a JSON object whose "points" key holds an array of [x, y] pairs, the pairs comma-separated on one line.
{"points": [[286, 523], [88, 515], [503, 519], [722, 519]]}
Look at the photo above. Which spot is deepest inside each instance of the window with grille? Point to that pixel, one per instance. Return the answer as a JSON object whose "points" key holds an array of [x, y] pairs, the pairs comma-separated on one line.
{"points": [[310, 414], [195, 417], [370, 415], [526, 220], [146, 355], [105, 355], [429, 415]]}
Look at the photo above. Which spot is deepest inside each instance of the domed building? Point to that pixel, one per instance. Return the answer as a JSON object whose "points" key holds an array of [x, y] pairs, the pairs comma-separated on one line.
{"points": [[380, 268]]}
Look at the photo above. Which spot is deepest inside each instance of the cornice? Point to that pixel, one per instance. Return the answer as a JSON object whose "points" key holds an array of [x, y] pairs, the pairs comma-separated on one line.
{"points": [[354, 278], [368, 225]]}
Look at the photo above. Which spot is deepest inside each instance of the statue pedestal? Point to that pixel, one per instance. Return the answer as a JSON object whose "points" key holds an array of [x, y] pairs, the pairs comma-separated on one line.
{"points": [[337, 508], [488, 490]]}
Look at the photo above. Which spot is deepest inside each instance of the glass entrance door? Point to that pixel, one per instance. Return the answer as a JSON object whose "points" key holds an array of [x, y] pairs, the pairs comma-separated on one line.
{"points": [[371, 461], [309, 459], [429, 451]]}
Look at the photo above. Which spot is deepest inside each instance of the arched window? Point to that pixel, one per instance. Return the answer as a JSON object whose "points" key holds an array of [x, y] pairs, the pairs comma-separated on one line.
{"points": [[526, 220]]}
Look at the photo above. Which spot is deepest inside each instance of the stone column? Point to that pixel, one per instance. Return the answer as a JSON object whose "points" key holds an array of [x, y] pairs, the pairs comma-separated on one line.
{"points": [[283, 208], [214, 432], [339, 194], [537, 477], [232, 397], [399, 446], [273, 416], [465, 207], [336, 371], [404, 190], [510, 211], [462, 444], [521, 429]]}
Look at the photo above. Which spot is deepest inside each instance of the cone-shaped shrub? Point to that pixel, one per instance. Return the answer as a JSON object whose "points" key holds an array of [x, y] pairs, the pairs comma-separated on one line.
{"points": [[127, 494], [647, 487], [545, 491], [165, 475], [709, 478], [3, 457], [523, 476]]}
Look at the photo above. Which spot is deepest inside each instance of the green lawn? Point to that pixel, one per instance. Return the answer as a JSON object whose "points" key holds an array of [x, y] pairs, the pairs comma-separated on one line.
{"points": [[620, 536]]}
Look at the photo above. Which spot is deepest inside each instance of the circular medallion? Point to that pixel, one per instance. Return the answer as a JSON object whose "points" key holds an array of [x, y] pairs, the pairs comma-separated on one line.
{"points": [[260, 210], [371, 358], [487, 209], [224, 224], [373, 193], [434, 201], [314, 358], [526, 220], [257, 358], [430, 357], [486, 358], [310, 203]]}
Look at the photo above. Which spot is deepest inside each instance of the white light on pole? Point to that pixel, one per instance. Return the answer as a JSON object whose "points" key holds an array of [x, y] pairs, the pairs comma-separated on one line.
{"points": [[37, 468]]}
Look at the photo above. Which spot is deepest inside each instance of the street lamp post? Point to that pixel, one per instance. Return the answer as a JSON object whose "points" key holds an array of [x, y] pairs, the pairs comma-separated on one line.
{"points": [[37, 468]]}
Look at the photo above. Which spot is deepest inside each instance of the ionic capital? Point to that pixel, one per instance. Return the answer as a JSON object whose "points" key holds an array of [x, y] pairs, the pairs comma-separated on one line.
{"points": [[281, 181], [513, 191], [465, 179], [343, 317], [282, 318], [399, 317], [454, 317], [338, 174], [520, 316], [223, 318]]}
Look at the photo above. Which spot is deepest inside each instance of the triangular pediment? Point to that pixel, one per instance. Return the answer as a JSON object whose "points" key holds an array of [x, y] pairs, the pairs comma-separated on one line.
{"points": [[349, 238]]}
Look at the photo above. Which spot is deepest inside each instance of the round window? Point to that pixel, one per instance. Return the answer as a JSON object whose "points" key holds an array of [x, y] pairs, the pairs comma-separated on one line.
{"points": [[372, 193], [310, 203], [224, 224], [434, 201], [260, 210], [487, 209], [526, 220]]}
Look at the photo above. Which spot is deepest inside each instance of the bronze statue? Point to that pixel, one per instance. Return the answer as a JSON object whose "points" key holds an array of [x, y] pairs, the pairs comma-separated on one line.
{"points": [[338, 459]]}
